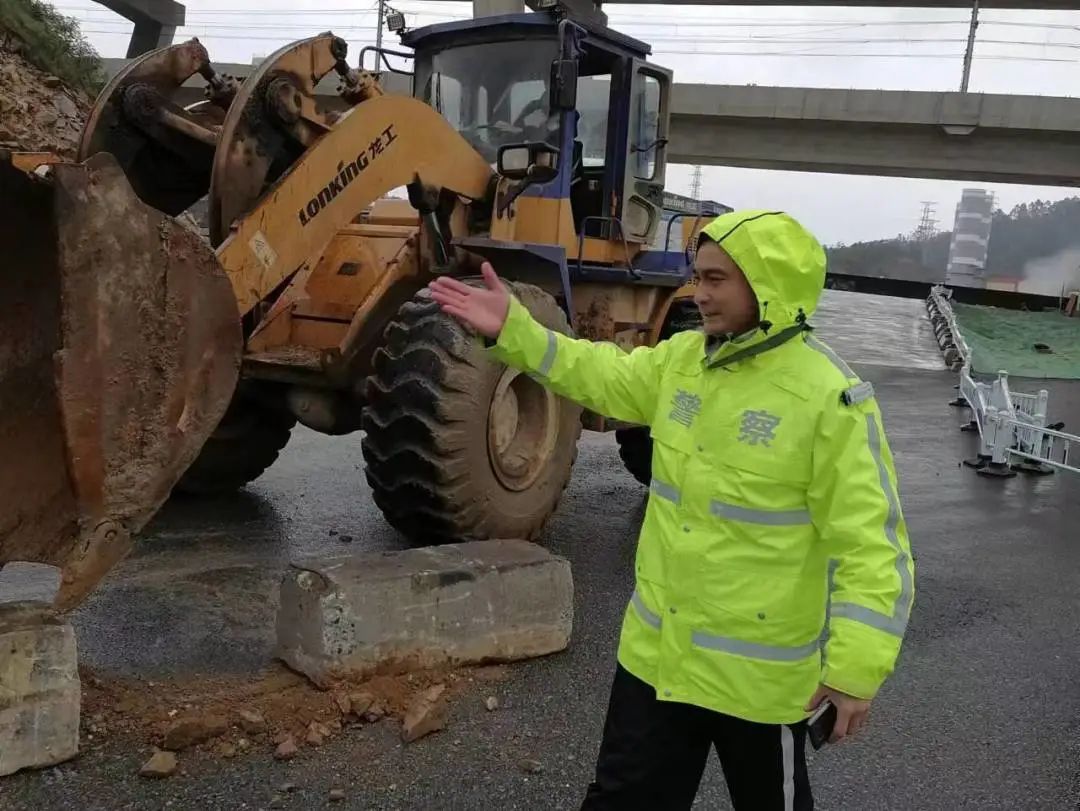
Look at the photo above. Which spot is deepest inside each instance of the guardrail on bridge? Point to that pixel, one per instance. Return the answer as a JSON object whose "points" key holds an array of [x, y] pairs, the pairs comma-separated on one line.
{"points": [[1013, 431]]}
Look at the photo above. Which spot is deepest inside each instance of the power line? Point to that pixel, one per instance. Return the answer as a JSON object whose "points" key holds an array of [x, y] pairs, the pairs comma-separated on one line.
{"points": [[804, 37], [230, 26], [662, 38], [710, 21], [717, 40], [790, 55], [208, 35], [250, 12], [697, 22], [205, 27], [679, 52], [875, 41]]}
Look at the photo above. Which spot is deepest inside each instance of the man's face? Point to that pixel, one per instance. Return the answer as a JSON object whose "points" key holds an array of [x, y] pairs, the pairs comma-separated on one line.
{"points": [[725, 298]]}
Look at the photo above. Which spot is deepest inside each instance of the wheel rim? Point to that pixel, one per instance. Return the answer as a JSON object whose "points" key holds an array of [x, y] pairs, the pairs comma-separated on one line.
{"points": [[523, 423]]}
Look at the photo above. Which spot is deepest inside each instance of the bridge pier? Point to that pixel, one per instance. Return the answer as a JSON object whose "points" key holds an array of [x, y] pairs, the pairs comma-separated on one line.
{"points": [[155, 21], [493, 8]]}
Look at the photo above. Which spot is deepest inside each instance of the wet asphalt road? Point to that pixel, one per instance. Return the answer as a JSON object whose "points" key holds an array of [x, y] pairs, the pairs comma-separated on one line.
{"points": [[981, 713]]}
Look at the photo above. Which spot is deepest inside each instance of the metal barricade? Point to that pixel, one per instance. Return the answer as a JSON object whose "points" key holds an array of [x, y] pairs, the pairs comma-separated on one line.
{"points": [[1012, 426]]}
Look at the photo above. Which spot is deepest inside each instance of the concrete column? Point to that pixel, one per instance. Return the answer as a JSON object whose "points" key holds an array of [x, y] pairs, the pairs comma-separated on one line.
{"points": [[149, 35], [155, 21], [492, 8]]}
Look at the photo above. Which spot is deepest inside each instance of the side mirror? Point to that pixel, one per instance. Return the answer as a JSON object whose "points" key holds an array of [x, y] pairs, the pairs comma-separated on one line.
{"points": [[564, 81], [535, 162]]}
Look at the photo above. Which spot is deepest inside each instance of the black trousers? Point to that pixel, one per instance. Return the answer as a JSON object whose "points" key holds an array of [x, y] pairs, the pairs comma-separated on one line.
{"points": [[654, 753]]}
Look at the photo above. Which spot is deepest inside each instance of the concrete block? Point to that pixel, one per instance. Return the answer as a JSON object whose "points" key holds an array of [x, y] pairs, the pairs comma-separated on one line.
{"points": [[39, 688], [482, 601]]}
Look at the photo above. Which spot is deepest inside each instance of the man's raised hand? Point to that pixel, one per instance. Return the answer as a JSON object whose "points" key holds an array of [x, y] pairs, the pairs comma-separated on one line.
{"points": [[482, 308]]}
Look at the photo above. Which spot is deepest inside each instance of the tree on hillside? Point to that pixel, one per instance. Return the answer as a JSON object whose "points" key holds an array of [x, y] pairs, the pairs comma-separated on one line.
{"points": [[898, 258], [1032, 231]]}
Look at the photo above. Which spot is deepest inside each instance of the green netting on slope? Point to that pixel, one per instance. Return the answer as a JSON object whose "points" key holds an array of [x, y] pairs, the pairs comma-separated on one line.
{"points": [[1005, 339]]}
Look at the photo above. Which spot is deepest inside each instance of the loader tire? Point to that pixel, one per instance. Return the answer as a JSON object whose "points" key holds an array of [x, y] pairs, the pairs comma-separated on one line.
{"points": [[245, 443], [635, 444], [457, 445]]}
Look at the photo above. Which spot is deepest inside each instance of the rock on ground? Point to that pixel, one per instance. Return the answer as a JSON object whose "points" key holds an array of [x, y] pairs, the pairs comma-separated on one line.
{"points": [[360, 703], [344, 704], [251, 721], [192, 729], [286, 750], [530, 766], [161, 764], [426, 714], [40, 693]]}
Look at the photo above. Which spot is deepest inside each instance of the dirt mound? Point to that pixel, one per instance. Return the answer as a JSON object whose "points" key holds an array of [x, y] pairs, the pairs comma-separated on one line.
{"points": [[228, 716], [38, 112]]}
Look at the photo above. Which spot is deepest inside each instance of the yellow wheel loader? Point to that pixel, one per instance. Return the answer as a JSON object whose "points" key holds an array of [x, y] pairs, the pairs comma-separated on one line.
{"points": [[138, 356]]}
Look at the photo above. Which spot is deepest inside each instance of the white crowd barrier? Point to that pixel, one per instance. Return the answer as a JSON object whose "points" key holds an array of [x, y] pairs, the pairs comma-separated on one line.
{"points": [[1013, 430]]}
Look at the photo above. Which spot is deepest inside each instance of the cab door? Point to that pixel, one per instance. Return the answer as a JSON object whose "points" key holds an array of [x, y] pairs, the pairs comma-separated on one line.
{"points": [[646, 162]]}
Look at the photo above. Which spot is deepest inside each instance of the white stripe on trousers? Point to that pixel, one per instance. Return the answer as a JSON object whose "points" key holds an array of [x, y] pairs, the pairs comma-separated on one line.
{"points": [[787, 754]]}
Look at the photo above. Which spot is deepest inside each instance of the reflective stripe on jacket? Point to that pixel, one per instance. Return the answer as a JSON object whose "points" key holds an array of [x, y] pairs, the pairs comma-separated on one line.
{"points": [[774, 553]]}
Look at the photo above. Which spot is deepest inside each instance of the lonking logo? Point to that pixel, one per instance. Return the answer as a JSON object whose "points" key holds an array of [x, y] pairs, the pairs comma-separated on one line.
{"points": [[346, 174]]}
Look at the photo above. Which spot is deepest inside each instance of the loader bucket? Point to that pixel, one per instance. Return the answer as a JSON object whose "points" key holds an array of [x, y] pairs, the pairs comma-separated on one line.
{"points": [[119, 352]]}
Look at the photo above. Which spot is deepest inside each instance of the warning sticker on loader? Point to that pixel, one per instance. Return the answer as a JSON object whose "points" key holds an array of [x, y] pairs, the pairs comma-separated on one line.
{"points": [[260, 246]]}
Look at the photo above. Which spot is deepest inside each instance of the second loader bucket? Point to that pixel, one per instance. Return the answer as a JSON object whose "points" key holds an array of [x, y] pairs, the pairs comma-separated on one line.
{"points": [[120, 347]]}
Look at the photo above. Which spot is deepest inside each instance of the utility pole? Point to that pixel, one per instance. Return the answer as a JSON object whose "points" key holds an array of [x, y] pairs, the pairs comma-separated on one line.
{"points": [[378, 30], [970, 47]]}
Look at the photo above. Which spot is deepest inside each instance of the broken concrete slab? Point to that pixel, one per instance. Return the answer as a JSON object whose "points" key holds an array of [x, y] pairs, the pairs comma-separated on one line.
{"points": [[40, 693], [480, 601]]}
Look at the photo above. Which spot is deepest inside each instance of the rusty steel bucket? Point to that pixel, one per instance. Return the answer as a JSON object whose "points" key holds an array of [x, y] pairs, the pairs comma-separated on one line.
{"points": [[120, 348]]}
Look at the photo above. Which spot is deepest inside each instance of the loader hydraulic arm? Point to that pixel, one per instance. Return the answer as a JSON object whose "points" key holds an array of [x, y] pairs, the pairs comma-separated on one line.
{"points": [[383, 144]]}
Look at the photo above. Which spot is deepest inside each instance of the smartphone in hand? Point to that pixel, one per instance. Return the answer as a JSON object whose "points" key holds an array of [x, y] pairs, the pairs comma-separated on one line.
{"points": [[820, 725]]}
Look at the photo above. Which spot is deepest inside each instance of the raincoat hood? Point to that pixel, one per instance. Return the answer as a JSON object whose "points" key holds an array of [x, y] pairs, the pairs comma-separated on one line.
{"points": [[782, 261]]}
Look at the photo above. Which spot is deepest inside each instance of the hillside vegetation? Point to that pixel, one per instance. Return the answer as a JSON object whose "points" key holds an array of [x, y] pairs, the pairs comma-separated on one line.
{"points": [[1037, 242], [50, 41]]}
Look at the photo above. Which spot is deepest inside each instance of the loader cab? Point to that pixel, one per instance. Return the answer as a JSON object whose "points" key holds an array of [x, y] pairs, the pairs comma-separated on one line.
{"points": [[584, 90]]}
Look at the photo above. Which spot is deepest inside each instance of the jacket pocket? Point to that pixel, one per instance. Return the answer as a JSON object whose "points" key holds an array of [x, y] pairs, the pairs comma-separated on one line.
{"points": [[762, 617]]}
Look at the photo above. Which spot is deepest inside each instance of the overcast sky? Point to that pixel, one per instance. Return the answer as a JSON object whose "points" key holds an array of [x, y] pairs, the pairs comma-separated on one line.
{"points": [[1030, 52]]}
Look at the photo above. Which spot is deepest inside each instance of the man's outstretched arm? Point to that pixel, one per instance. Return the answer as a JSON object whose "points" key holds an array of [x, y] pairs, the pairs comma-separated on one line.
{"points": [[600, 376]]}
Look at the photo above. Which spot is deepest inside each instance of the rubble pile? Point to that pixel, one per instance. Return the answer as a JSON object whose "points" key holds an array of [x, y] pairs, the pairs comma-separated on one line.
{"points": [[279, 714], [38, 112]]}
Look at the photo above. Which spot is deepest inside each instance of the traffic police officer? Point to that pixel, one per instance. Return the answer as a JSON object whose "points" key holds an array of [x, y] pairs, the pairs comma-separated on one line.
{"points": [[773, 569]]}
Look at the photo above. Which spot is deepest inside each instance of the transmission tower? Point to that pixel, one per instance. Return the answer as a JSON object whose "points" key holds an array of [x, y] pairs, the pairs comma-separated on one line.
{"points": [[927, 223], [695, 184]]}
